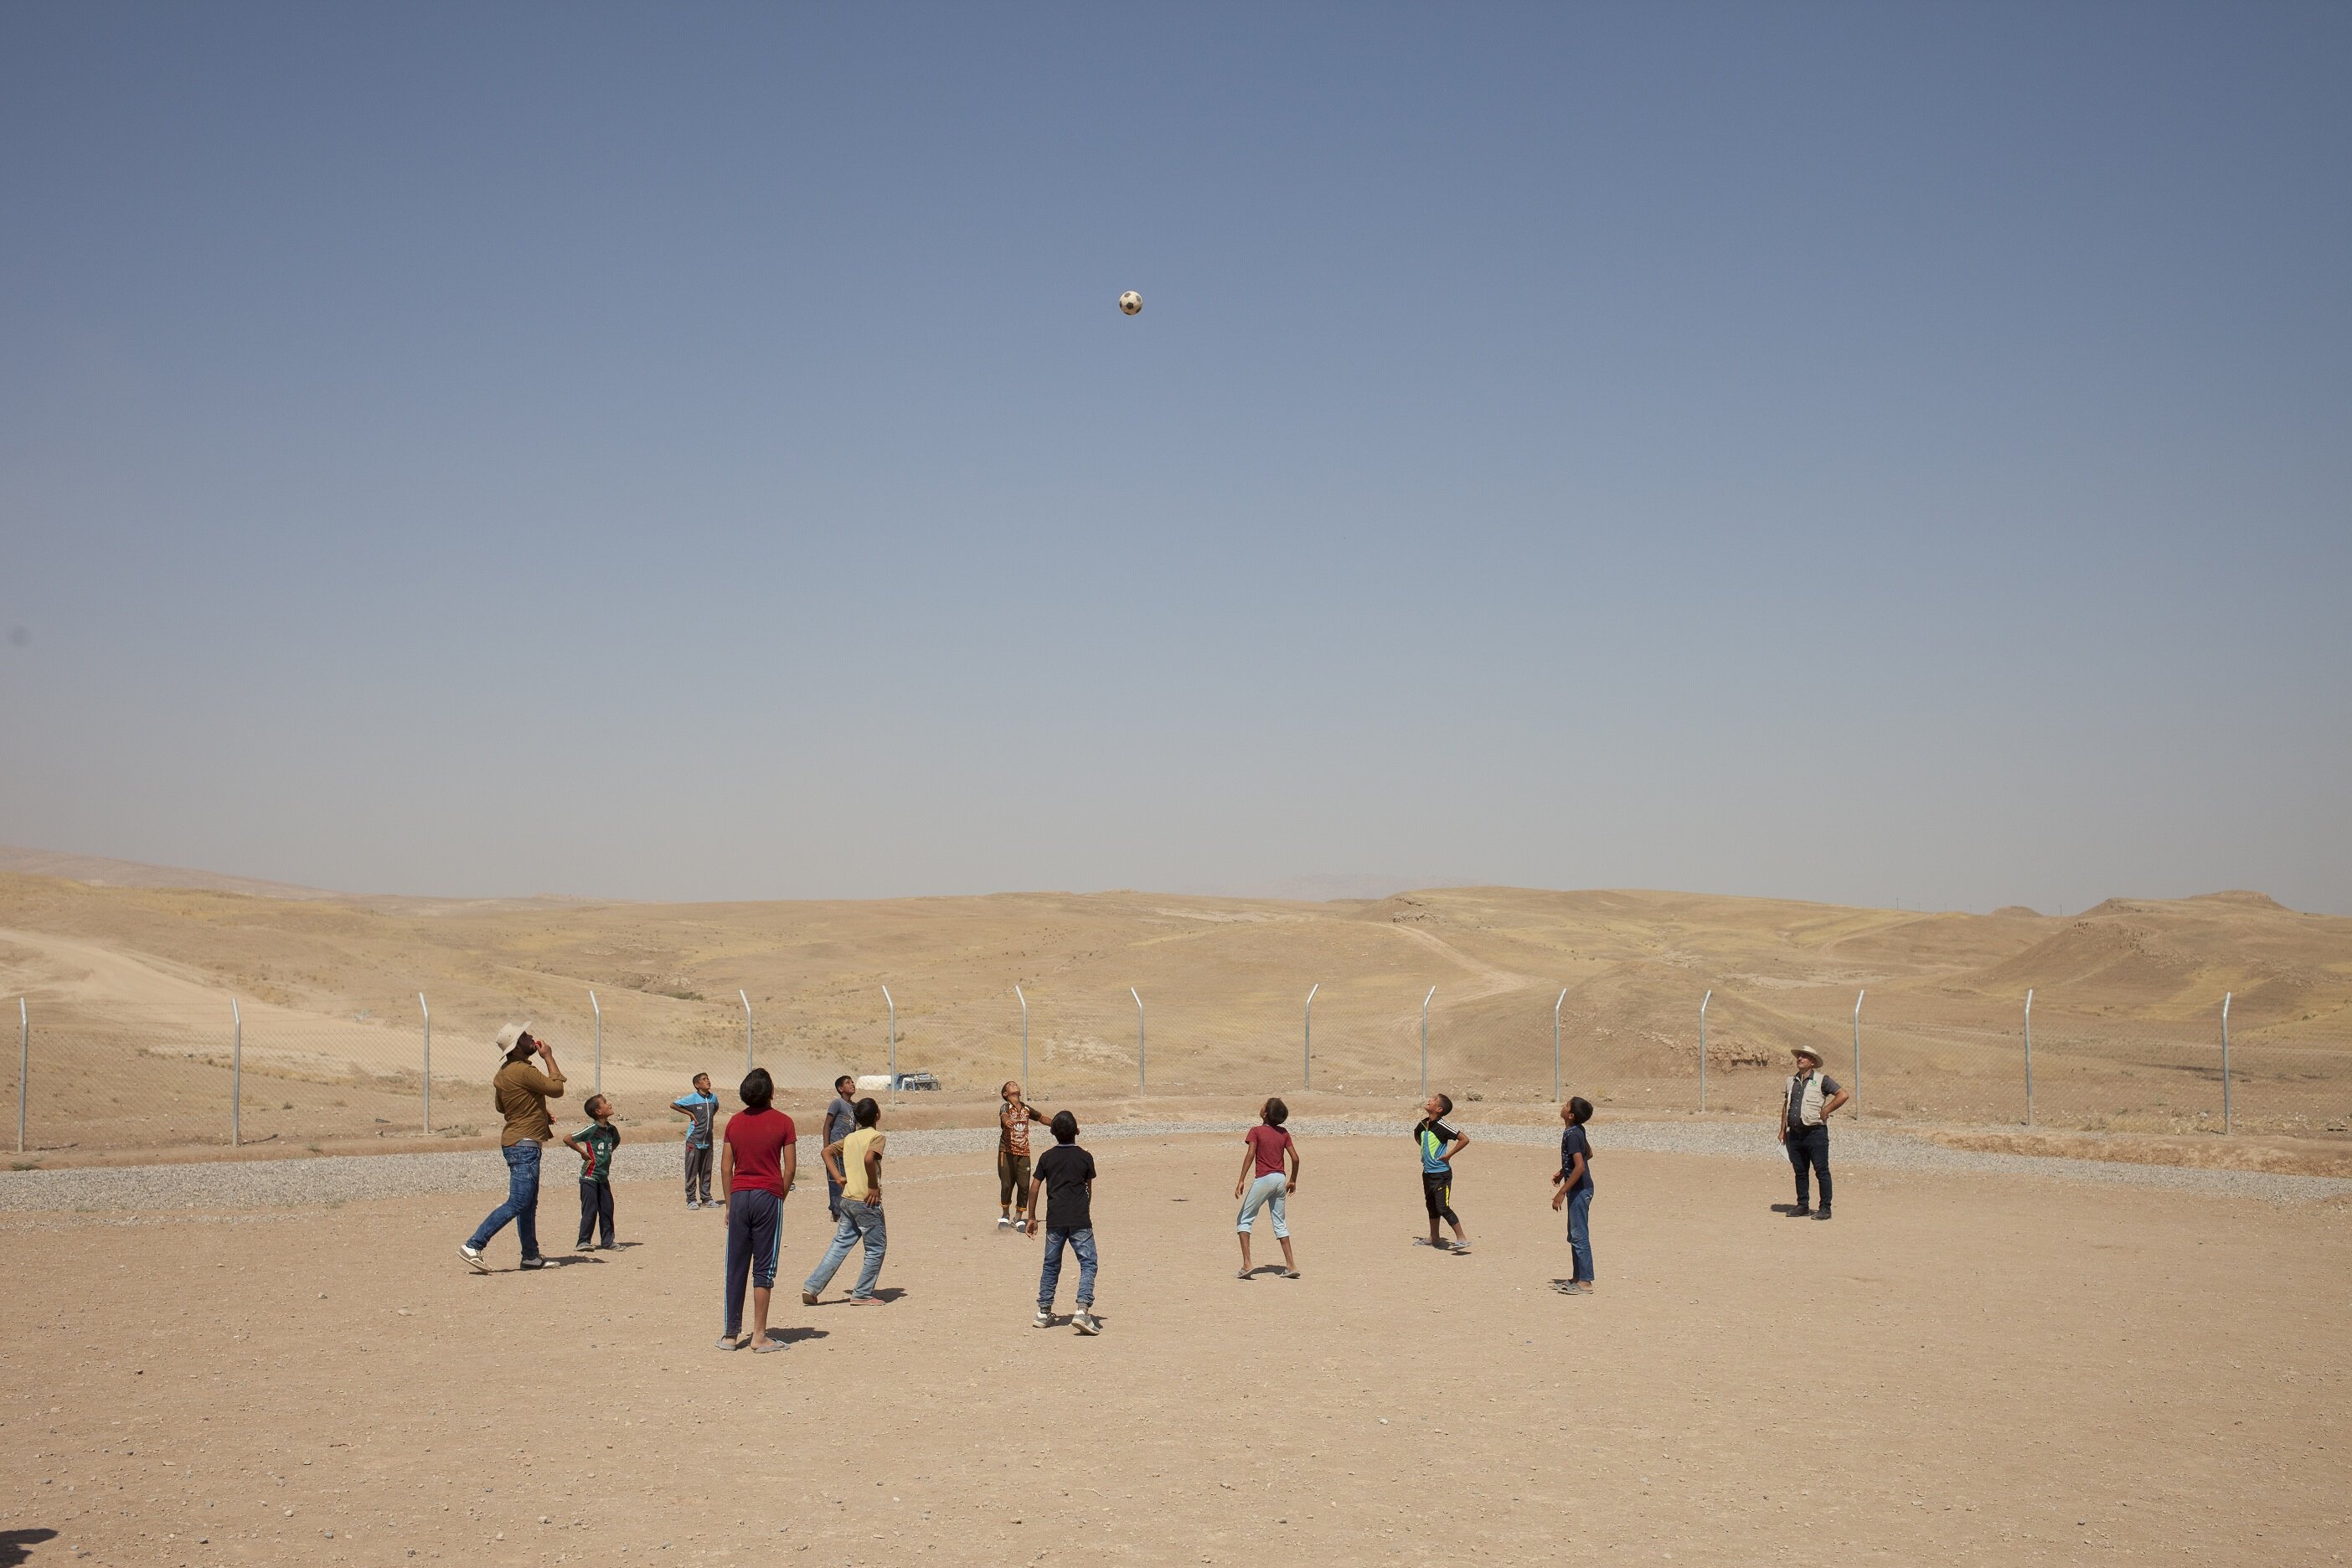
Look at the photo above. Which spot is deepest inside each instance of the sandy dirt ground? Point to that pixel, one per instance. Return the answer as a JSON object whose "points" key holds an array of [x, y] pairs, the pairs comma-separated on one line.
{"points": [[1985, 1370]]}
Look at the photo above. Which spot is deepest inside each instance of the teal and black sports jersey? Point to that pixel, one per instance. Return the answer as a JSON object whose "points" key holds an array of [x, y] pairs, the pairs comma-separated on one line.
{"points": [[1435, 1137]]}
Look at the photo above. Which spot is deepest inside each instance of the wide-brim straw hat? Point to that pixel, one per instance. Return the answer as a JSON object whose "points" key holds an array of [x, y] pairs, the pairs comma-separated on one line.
{"points": [[1808, 1053]]}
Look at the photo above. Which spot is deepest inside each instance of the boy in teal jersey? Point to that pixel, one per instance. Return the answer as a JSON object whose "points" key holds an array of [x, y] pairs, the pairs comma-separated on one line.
{"points": [[1438, 1143], [701, 1108], [595, 1144]]}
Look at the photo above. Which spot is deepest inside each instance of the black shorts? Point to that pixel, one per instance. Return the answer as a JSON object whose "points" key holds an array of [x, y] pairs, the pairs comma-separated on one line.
{"points": [[1437, 1194]]}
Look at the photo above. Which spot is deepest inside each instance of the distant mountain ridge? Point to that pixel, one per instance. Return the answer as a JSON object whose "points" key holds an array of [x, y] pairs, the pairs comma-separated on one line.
{"points": [[104, 871]]}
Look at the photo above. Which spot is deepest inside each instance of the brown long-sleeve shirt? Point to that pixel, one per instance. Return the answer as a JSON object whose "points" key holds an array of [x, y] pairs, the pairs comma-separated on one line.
{"points": [[521, 1092]]}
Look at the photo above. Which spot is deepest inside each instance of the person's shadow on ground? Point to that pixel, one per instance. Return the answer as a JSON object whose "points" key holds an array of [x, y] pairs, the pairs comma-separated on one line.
{"points": [[16, 1546], [794, 1336]]}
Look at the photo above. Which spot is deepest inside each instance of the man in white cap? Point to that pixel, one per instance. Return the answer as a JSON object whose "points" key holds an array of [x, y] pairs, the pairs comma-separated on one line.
{"points": [[520, 1093], [1805, 1110]]}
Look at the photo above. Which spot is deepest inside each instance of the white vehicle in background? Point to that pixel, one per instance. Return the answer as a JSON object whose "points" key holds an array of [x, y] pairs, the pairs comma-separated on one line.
{"points": [[880, 1082]]}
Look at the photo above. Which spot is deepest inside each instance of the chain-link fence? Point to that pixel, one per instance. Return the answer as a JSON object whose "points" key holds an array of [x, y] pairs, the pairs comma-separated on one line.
{"points": [[108, 1079]]}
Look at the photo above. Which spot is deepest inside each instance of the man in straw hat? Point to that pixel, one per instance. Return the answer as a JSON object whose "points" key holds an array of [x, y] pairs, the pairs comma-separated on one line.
{"points": [[520, 1093], [1805, 1110]]}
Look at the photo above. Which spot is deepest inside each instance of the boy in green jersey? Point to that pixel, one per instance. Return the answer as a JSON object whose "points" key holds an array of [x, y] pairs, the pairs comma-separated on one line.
{"points": [[595, 1144]]}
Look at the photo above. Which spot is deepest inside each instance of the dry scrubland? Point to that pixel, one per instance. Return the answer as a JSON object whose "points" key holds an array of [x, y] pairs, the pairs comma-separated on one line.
{"points": [[128, 988], [1956, 1370]]}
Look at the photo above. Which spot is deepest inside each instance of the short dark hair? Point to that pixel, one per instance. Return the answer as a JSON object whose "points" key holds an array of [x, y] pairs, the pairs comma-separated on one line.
{"points": [[1274, 1113], [869, 1111], [593, 1101], [844, 1078], [1445, 1105], [757, 1090], [1579, 1110], [702, 1078], [1065, 1127]]}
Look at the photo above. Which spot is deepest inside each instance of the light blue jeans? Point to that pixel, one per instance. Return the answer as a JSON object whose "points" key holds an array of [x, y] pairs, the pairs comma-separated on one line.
{"points": [[522, 1201], [1579, 1233], [1082, 1242], [856, 1220], [1266, 1192]]}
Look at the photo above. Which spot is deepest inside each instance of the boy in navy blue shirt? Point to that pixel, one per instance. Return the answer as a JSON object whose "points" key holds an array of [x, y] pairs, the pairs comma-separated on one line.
{"points": [[1572, 1190]]}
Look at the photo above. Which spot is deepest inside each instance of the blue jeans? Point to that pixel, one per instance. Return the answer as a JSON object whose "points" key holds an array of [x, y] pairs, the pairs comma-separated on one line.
{"points": [[1579, 1233], [755, 1224], [856, 1220], [1267, 1192], [522, 1200], [1082, 1242]]}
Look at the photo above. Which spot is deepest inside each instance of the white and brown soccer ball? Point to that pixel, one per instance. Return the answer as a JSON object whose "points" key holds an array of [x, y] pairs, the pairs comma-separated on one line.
{"points": [[1131, 303]]}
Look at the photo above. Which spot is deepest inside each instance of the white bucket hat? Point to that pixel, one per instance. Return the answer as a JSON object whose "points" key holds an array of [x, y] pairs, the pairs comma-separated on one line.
{"points": [[511, 1035]]}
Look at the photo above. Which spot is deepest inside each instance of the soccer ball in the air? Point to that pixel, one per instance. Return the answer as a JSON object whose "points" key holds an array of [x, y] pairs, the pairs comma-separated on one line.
{"points": [[1131, 303]]}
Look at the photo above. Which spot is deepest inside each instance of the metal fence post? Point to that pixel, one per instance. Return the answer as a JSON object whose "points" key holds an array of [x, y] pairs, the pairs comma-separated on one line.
{"points": [[893, 1043], [23, 1066], [1024, 1040], [1555, 1043], [1424, 1043], [1857, 1050], [747, 1032], [235, 1071], [1306, 1042], [1139, 1079], [2229, 1122], [2029, 1056], [1702, 1048], [428, 1062], [599, 1081]]}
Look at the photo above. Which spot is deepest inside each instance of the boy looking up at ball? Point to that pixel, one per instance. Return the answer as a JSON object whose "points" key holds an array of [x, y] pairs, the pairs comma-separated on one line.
{"points": [[595, 1144]]}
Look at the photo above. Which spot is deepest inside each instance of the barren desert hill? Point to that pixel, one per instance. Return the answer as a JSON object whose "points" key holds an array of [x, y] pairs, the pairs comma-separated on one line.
{"points": [[1217, 978]]}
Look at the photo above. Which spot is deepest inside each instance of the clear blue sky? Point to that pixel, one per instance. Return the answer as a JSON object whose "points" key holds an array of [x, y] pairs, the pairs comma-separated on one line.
{"points": [[1865, 453]]}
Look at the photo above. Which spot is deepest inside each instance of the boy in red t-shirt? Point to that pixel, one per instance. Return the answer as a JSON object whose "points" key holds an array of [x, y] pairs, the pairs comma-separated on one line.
{"points": [[757, 1170], [1264, 1184]]}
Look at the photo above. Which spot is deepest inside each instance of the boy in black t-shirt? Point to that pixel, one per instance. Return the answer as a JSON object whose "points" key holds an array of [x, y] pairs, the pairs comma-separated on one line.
{"points": [[1065, 1180]]}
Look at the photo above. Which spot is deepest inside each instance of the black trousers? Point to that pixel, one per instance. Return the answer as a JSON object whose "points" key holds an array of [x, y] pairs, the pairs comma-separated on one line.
{"points": [[596, 1206], [1809, 1152]]}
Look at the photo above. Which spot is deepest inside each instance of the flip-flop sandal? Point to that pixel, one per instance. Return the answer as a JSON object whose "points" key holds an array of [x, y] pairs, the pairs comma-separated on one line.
{"points": [[1245, 1274], [767, 1347], [725, 1343], [1290, 1274]]}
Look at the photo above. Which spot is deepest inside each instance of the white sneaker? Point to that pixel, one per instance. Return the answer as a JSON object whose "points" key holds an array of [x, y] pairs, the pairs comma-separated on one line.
{"points": [[1044, 1320], [1004, 1222], [1021, 1224], [473, 1255], [1086, 1323]]}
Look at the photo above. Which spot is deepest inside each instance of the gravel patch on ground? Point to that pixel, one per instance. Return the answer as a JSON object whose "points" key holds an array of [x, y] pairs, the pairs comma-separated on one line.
{"points": [[229, 1187]]}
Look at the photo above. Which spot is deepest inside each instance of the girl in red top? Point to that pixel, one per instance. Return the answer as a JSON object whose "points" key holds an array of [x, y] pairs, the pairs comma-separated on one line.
{"points": [[757, 1170], [1263, 1183]]}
